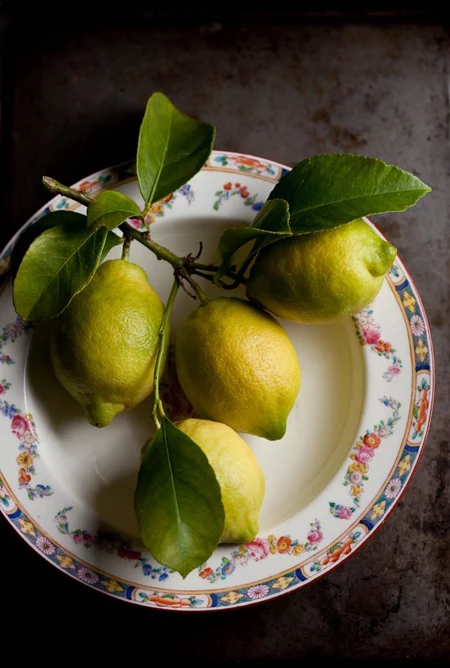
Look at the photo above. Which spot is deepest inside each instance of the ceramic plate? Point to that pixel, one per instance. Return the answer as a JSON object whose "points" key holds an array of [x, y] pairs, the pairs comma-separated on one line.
{"points": [[353, 440]]}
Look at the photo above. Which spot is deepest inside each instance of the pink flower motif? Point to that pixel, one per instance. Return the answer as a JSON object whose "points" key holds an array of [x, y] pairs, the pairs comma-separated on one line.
{"points": [[19, 425], [344, 513], [315, 536], [88, 539], [372, 334], [132, 555], [258, 549], [87, 575], [394, 370], [355, 477], [257, 591], [364, 320], [2, 389], [384, 431], [12, 330], [78, 538], [417, 325], [240, 559], [28, 438], [364, 454], [135, 222], [393, 488], [45, 545]]}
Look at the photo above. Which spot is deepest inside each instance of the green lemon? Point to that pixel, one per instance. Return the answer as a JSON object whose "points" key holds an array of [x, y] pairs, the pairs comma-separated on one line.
{"points": [[321, 277], [103, 346], [237, 365], [238, 473]]}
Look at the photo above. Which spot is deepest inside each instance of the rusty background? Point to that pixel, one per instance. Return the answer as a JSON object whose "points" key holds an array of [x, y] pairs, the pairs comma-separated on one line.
{"points": [[284, 86]]}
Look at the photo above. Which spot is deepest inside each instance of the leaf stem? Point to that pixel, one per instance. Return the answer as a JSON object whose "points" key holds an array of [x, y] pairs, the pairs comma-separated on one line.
{"points": [[238, 277], [126, 248], [205, 267], [58, 188], [163, 253], [199, 269], [158, 409]]}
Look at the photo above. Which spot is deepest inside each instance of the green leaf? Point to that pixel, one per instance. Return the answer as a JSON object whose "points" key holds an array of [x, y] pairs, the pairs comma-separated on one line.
{"points": [[177, 501], [112, 239], [330, 190], [232, 241], [57, 265], [273, 217], [111, 208], [270, 224], [172, 148], [32, 232]]}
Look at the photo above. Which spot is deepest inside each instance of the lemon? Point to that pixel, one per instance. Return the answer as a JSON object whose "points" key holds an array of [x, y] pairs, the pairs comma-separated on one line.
{"points": [[321, 277], [103, 346], [237, 365], [238, 473]]}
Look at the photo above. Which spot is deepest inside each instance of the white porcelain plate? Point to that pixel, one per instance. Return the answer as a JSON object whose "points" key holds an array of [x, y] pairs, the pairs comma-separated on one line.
{"points": [[353, 440]]}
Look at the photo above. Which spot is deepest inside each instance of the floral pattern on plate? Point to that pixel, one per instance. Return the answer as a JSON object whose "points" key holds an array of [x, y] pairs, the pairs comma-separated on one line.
{"points": [[365, 448], [261, 548], [394, 486], [413, 312], [369, 333], [336, 552], [4, 496], [421, 407], [246, 164], [230, 189], [22, 426], [340, 511], [111, 542]]}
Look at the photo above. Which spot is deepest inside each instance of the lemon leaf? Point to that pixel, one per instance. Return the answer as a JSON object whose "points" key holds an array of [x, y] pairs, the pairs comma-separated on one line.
{"points": [[273, 217], [329, 190], [32, 232], [112, 239], [270, 224], [56, 267], [172, 148], [177, 501], [110, 209]]}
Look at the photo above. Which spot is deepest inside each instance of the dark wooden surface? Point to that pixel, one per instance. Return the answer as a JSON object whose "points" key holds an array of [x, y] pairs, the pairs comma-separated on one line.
{"points": [[73, 92]]}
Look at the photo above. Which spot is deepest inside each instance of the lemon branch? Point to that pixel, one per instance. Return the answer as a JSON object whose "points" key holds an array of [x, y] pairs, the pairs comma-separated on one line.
{"points": [[180, 264], [58, 188], [158, 408], [206, 271], [126, 249]]}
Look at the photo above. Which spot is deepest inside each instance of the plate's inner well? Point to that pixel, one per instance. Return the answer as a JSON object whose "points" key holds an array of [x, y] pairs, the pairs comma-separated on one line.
{"points": [[98, 467]]}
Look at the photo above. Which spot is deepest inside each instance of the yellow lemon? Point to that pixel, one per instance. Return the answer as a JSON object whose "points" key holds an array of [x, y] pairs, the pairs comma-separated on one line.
{"points": [[321, 277], [237, 365], [103, 346], [238, 473]]}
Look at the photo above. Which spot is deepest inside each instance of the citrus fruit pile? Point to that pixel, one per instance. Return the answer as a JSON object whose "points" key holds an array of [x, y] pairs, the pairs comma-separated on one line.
{"points": [[234, 360]]}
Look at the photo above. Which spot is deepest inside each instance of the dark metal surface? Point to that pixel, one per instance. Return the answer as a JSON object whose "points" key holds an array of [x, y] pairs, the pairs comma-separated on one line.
{"points": [[72, 100]]}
